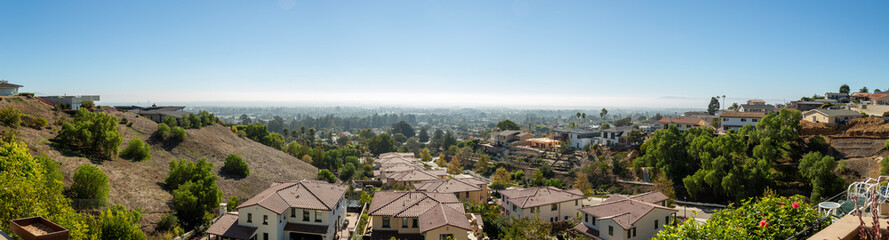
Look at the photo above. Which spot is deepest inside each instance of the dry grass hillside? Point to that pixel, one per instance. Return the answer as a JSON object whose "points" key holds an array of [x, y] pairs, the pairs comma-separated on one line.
{"points": [[138, 184], [862, 137]]}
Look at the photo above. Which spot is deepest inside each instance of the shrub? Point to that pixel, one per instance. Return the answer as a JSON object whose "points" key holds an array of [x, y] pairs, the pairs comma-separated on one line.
{"points": [[119, 223], [87, 104], [236, 166], [163, 132], [886, 145], [196, 192], [884, 166], [10, 117], [90, 183], [92, 133], [326, 175], [781, 217], [137, 150], [33, 122], [232, 203], [169, 222], [178, 134]]}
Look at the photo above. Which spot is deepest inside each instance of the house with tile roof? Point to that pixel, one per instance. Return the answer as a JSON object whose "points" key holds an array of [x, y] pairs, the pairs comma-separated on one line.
{"points": [[620, 217], [735, 120], [407, 179], [508, 137], [550, 204], [473, 190], [415, 215], [833, 116], [306, 209], [682, 123]]}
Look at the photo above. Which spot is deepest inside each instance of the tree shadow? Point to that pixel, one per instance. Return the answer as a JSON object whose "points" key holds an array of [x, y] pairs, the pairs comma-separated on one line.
{"points": [[231, 176], [67, 152]]}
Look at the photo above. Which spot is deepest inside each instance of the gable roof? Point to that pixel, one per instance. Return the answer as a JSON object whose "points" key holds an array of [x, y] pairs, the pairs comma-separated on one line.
{"points": [[623, 210], [733, 114], [450, 185], [677, 120], [757, 106], [534, 197], [227, 226], [650, 197], [433, 210], [306, 194], [833, 112], [417, 175]]}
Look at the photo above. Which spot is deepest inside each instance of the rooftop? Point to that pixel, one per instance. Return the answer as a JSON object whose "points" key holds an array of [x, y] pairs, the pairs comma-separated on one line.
{"points": [[227, 226], [533, 197], [433, 210], [733, 114], [450, 185], [623, 210], [834, 112], [305, 194]]}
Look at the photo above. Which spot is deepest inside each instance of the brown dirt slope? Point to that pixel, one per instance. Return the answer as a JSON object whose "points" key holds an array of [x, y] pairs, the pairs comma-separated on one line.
{"points": [[862, 137], [138, 184]]}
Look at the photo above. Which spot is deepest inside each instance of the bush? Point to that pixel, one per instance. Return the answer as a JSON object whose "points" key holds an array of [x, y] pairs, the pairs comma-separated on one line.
{"points": [[884, 166], [767, 218], [326, 175], [169, 222], [92, 133], [178, 134], [33, 122], [196, 192], [119, 223], [163, 132], [137, 150], [10, 117], [236, 166], [90, 183], [87, 104]]}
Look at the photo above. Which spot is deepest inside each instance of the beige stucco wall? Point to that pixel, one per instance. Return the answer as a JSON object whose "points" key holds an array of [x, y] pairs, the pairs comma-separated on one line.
{"points": [[458, 233], [395, 224], [276, 223], [645, 227], [565, 209]]}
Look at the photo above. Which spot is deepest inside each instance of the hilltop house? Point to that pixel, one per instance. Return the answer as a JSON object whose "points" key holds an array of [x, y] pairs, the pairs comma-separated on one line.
{"points": [[156, 113], [466, 189], [682, 123], [305, 209], [418, 215], [805, 105], [550, 204], [619, 217], [616, 135], [839, 97], [508, 137], [735, 120], [757, 106], [883, 100], [578, 138], [70, 102], [8, 89], [835, 116]]}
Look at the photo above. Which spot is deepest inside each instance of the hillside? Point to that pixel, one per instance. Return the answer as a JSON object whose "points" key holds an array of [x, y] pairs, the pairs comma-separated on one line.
{"points": [[138, 184], [862, 137]]}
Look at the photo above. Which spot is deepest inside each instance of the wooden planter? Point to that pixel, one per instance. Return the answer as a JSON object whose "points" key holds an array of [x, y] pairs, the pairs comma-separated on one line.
{"points": [[21, 228]]}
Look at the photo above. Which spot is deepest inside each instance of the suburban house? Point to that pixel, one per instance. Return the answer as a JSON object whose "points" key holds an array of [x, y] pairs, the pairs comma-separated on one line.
{"points": [[543, 143], [757, 106], [619, 217], [682, 123], [466, 189], [9, 89], [699, 114], [407, 179], [508, 137], [735, 120], [835, 116], [418, 215], [616, 135], [550, 204], [70, 102], [649, 127], [884, 100], [578, 138], [805, 105], [305, 209], [839, 97], [156, 113]]}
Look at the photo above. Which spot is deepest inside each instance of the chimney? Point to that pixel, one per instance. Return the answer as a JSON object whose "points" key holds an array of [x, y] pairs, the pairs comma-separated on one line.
{"points": [[223, 208]]}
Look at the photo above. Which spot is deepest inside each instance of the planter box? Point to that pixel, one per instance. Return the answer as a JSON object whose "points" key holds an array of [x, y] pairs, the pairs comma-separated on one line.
{"points": [[43, 229]]}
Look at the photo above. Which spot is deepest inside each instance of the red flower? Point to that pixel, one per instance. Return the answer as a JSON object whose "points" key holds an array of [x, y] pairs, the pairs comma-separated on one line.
{"points": [[795, 205], [763, 223]]}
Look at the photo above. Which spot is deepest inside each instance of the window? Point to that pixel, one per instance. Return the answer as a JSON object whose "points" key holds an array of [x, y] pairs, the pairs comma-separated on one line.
{"points": [[667, 220], [385, 221], [513, 208], [687, 126], [416, 225], [610, 231], [265, 219], [628, 233], [566, 217], [249, 217], [634, 232], [554, 207], [467, 194], [317, 216], [403, 222], [593, 221], [575, 202], [305, 215], [743, 119], [292, 212], [265, 236], [586, 218], [724, 119], [754, 120], [445, 236], [655, 224]]}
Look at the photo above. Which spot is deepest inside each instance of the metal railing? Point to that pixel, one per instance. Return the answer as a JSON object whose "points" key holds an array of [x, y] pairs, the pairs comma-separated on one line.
{"points": [[812, 229]]}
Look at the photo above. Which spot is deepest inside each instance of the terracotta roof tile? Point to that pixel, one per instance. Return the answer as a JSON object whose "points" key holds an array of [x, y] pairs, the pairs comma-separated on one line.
{"points": [[534, 197], [227, 226], [307, 194], [450, 185], [625, 211]]}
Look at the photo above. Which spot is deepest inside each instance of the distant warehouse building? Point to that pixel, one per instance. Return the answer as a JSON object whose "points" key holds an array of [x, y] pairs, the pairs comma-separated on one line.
{"points": [[70, 102], [156, 113], [9, 89]]}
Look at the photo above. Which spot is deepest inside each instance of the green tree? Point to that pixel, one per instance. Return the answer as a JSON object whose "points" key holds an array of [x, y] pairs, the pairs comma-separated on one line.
{"points": [[11, 117], [236, 166], [884, 166], [635, 137], [136, 150], [178, 134], [501, 176], [93, 133], [665, 152], [734, 106], [90, 183], [87, 104], [863, 89], [170, 121], [326, 175], [163, 132], [508, 125], [442, 160], [713, 106], [455, 166], [482, 166], [425, 156], [119, 223], [381, 143], [423, 136], [582, 183], [404, 128], [603, 113], [844, 89], [196, 192], [818, 169]]}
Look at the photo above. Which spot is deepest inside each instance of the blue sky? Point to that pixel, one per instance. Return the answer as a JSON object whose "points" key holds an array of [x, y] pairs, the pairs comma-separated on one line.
{"points": [[425, 52]]}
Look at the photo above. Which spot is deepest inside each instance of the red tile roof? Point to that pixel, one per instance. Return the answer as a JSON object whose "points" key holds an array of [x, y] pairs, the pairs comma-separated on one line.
{"points": [[450, 185], [677, 120], [227, 226], [533, 197], [624, 211], [433, 210], [306, 194]]}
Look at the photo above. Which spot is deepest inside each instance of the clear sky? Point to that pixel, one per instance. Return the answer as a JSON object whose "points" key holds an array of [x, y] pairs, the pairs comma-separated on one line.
{"points": [[442, 52]]}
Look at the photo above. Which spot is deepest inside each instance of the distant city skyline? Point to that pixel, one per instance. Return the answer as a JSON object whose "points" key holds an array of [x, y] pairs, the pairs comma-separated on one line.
{"points": [[517, 53]]}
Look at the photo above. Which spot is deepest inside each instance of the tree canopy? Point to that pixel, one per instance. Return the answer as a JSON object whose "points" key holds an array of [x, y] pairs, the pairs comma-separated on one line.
{"points": [[508, 125], [404, 128], [713, 107], [844, 89], [92, 133]]}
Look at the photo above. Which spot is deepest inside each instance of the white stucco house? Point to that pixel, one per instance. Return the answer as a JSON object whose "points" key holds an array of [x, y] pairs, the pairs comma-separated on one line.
{"points": [[550, 204], [578, 138], [305, 209], [735, 120], [624, 218]]}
